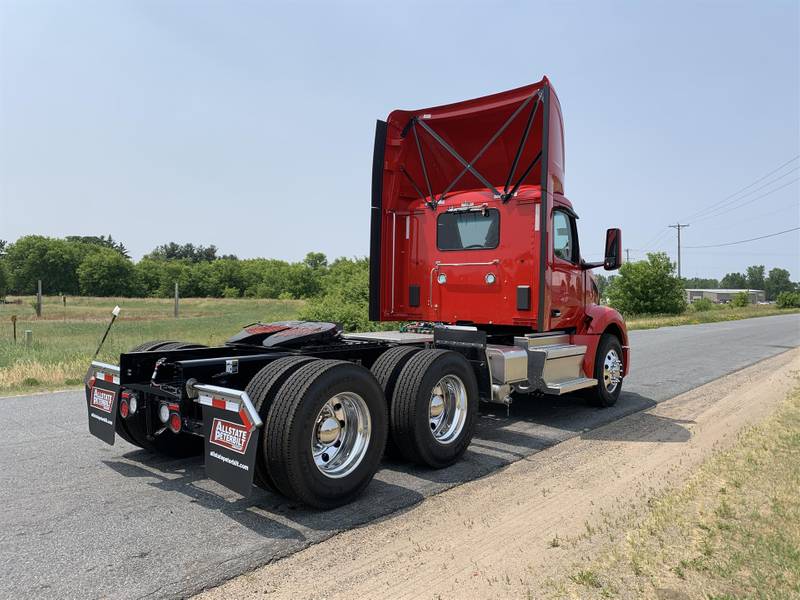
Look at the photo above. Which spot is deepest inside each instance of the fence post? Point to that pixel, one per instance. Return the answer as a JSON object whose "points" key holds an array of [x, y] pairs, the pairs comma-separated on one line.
{"points": [[176, 299], [39, 299], [28, 338], [14, 325]]}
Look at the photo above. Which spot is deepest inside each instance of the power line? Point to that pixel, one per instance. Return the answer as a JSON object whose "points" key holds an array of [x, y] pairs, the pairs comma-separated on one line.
{"points": [[707, 212], [761, 237], [713, 209], [793, 204], [655, 240], [736, 193], [746, 202]]}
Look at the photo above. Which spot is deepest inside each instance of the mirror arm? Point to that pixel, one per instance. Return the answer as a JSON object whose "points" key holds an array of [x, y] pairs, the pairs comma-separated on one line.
{"points": [[587, 265]]}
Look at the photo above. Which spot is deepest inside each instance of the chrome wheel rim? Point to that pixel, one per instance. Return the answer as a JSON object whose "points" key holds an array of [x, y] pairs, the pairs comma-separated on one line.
{"points": [[341, 433], [612, 371], [447, 409]]}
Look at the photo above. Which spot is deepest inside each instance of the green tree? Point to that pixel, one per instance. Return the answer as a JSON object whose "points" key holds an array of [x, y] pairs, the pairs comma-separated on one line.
{"points": [[602, 284], [316, 260], [740, 300], [53, 261], [188, 252], [702, 283], [755, 277], [345, 297], [777, 281], [648, 286], [789, 300], [147, 277], [734, 281], [4, 279], [702, 304], [100, 241], [213, 278], [106, 273]]}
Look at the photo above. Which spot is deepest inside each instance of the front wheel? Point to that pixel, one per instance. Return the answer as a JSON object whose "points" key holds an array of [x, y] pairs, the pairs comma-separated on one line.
{"points": [[608, 370]]}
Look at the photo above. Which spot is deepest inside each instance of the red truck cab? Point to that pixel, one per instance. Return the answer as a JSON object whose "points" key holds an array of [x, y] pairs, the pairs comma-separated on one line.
{"points": [[471, 226]]}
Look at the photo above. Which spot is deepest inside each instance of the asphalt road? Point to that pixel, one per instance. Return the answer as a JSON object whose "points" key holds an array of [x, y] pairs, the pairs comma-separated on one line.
{"points": [[82, 519]]}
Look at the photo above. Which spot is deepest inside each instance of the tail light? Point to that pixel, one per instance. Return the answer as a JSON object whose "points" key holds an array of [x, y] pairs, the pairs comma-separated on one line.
{"points": [[124, 409], [174, 422]]}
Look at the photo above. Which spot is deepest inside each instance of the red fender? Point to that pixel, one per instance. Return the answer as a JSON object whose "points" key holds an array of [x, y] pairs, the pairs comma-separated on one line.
{"points": [[599, 320]]}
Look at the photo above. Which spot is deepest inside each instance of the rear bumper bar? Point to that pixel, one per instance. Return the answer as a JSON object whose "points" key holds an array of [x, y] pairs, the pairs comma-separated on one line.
{"points": [[230, 422], [228, 399]]}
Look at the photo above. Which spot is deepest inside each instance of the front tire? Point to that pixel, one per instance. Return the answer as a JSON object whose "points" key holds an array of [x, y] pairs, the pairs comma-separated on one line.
{"points": [[434, 408], [325, 433], [608, 369]]}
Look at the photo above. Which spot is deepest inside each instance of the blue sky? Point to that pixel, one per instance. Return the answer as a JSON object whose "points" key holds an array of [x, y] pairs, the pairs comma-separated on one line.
{"points": [[249, 125]]}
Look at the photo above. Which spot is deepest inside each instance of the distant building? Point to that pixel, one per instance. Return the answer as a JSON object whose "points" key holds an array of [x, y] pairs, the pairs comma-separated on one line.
{"points": [[724, 296]]}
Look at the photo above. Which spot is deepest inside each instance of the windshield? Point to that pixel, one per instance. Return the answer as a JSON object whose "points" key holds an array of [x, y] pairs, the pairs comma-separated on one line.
{"points": [[474, 230]]}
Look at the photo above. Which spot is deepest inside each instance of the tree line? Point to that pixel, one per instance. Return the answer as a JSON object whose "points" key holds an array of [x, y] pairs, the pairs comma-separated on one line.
{"points": [[339, 291], [101, 266]]}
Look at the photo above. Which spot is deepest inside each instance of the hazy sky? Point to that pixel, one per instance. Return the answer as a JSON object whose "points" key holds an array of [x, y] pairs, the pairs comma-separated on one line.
{"points": [[249, 125]]}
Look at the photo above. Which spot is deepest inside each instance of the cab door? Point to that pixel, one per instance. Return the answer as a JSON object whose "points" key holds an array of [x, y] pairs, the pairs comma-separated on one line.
{"points": [[566, 274]]}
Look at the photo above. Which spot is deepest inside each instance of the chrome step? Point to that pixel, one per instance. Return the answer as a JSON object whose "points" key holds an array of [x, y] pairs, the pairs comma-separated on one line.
{"points": [[554, 365], [542, 339], [569, 386]]}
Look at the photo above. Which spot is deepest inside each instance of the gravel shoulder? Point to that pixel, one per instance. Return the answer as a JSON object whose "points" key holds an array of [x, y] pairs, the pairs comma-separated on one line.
{"points": [[512, 533]]}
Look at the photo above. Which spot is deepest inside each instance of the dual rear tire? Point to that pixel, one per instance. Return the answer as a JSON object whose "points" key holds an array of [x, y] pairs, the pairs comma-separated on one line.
{"points": [[433, 404], [325, 428], [326, 422]]}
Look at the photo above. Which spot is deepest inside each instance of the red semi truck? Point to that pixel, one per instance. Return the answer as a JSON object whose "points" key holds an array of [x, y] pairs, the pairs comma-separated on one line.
{"points": [[472, 241]]}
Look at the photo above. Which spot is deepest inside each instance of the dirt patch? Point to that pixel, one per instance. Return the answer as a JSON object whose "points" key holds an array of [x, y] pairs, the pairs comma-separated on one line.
{"points": [[514, 533]]}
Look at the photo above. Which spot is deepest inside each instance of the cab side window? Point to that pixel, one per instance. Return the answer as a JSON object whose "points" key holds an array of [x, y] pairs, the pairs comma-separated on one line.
{"points": [[564, 243]]}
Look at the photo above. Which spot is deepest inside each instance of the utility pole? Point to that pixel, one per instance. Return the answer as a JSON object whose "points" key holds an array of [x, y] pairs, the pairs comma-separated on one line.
{"points": [[678, 226], [627, 255]]}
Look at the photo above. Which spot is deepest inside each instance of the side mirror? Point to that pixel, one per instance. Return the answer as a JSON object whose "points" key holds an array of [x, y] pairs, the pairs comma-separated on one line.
{"points": [[613, 259]]}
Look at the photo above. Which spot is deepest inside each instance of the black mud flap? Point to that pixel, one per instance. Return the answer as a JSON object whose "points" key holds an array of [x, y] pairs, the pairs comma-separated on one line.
{"points": [[230, 449], [101, 400]]}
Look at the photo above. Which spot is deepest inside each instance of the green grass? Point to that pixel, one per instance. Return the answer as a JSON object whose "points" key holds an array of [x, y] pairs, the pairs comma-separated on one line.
{"points": [[64, 340], [65, 336], [720, 312], [733, 531]]}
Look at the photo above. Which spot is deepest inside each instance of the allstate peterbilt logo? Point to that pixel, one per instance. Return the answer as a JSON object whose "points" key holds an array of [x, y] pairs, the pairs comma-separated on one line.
{"points": [[102, 399], [230, 435]]}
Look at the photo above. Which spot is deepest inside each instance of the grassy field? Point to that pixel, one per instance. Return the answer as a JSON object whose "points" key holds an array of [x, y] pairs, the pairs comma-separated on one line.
{"points": [[65, 336], [64, 339], [733, 531], [720, 312]]}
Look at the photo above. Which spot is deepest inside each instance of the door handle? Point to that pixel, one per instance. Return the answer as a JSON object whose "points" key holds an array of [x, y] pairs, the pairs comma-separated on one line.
{"points": [[555, 312]]}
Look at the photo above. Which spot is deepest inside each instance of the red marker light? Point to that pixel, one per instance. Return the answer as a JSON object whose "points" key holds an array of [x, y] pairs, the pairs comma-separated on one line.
{"points": [[175, 422], [124, 409]]}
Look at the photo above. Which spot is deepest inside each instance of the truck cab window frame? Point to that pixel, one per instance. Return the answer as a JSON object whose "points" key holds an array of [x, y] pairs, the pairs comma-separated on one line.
{"points": [[468, 230], [565, 237]]}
